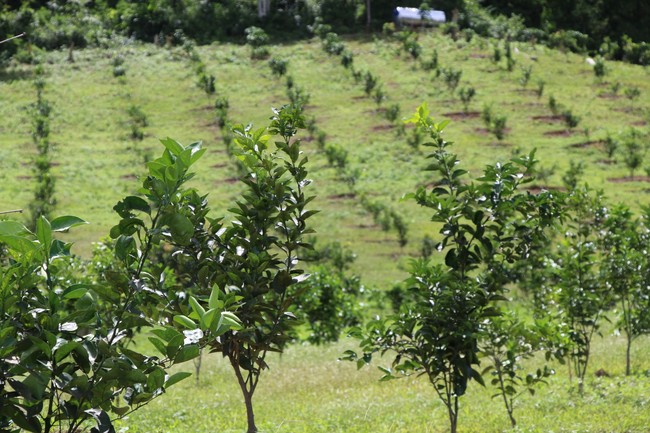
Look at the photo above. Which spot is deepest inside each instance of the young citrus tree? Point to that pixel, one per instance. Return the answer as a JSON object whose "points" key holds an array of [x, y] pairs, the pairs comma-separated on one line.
{"points": [[580, 294], [485, 221], [65, 360], [250, 264], [625, 269]]}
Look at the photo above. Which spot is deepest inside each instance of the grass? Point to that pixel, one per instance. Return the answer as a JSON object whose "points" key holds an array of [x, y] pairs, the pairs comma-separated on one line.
{"points": [[97, 162], [307, 390]]}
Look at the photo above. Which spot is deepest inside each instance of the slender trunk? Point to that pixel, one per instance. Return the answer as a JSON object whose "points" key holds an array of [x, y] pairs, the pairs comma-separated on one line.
{"points": [[368, 14], [197, 365], [250, 416], [628, 333], [453, 416], [627, 353], [247, 393], [508, 404]]}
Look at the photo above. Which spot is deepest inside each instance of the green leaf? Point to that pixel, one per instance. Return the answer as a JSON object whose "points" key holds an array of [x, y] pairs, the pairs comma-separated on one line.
{"points": [[281, 281], [13, 228], [44, 233], [124, 207], [176, 377], [136, 376], [156, 379], [197, 308], [19, 244], [186, 353], [59, 249], [123, 246], [215, 298], [180, 227], [185, 321], [76, 291], [174, 147], [228, 321], [159, 345], [66, 222]]}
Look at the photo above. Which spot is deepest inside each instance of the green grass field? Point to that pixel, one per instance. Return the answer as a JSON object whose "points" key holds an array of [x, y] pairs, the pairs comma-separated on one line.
{"points": [[307, 389]]}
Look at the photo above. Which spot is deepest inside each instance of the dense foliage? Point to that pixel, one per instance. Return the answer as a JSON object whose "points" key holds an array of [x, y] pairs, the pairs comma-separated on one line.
{"points": [[616, 29]]}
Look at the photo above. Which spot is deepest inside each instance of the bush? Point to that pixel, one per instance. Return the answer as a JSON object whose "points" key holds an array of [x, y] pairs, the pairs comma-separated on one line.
{"points": [[336, 155], [332, 44], [278, 66], [260, 53], [451, 77], [599, 67], [347, 59], [256, 37]]}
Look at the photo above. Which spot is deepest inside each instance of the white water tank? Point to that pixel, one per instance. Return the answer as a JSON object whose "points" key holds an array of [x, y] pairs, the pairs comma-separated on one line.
{"points": [[415, 16]]}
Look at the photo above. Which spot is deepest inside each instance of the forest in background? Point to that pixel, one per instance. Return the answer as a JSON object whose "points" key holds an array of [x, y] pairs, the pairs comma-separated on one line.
{"points": [[618, 30]]}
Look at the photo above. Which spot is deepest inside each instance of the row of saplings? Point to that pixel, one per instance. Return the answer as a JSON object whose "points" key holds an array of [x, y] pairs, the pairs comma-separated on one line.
{"points": [[235, 285]]}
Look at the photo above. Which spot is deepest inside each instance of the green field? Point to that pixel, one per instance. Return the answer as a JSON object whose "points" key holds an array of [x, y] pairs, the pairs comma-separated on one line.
{"points": [[307, 389]]}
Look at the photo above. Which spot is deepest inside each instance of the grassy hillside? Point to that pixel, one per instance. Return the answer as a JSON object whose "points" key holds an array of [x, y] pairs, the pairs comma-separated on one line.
{"points": [[97, 162]]}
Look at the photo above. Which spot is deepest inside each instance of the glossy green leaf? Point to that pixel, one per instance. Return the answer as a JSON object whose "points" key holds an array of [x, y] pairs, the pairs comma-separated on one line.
{"points": [[176, 377], [66, 222], [174, 147], [186, 353], [180, 227], [184, 321]]}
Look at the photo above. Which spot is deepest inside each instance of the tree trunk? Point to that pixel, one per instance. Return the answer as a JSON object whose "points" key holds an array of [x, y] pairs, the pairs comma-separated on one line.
{"points": [[453, 416], [247, 393], [250, 416], [627, 354], [368, 14]]}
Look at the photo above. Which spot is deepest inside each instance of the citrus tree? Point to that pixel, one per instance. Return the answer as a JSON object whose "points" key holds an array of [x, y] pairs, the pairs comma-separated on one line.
{"points": [[483, 223]]}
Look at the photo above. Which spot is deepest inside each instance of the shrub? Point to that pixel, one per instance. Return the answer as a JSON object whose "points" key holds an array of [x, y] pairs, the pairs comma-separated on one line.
{"points": [[451, 77], [278, 66], [540, 88], [370, 82], [610, 146], [499, 126], [599, 67], [392, 112], [466, 95], [207, 83], [256, 37], [347, 59], [379, 96], [432, 63], [332, 44], [260, 53], [570, 119], [632, 92], [525, 75], [553, 105], [337, 156]]}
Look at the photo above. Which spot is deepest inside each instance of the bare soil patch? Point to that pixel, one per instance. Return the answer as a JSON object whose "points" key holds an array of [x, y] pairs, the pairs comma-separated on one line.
{"points": [[220, 165], [639, 123], [559, 133], [343, 196], [536, 188], [548, 119], [627, 179], [383, 127], [461, 115], [591, 143]]}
